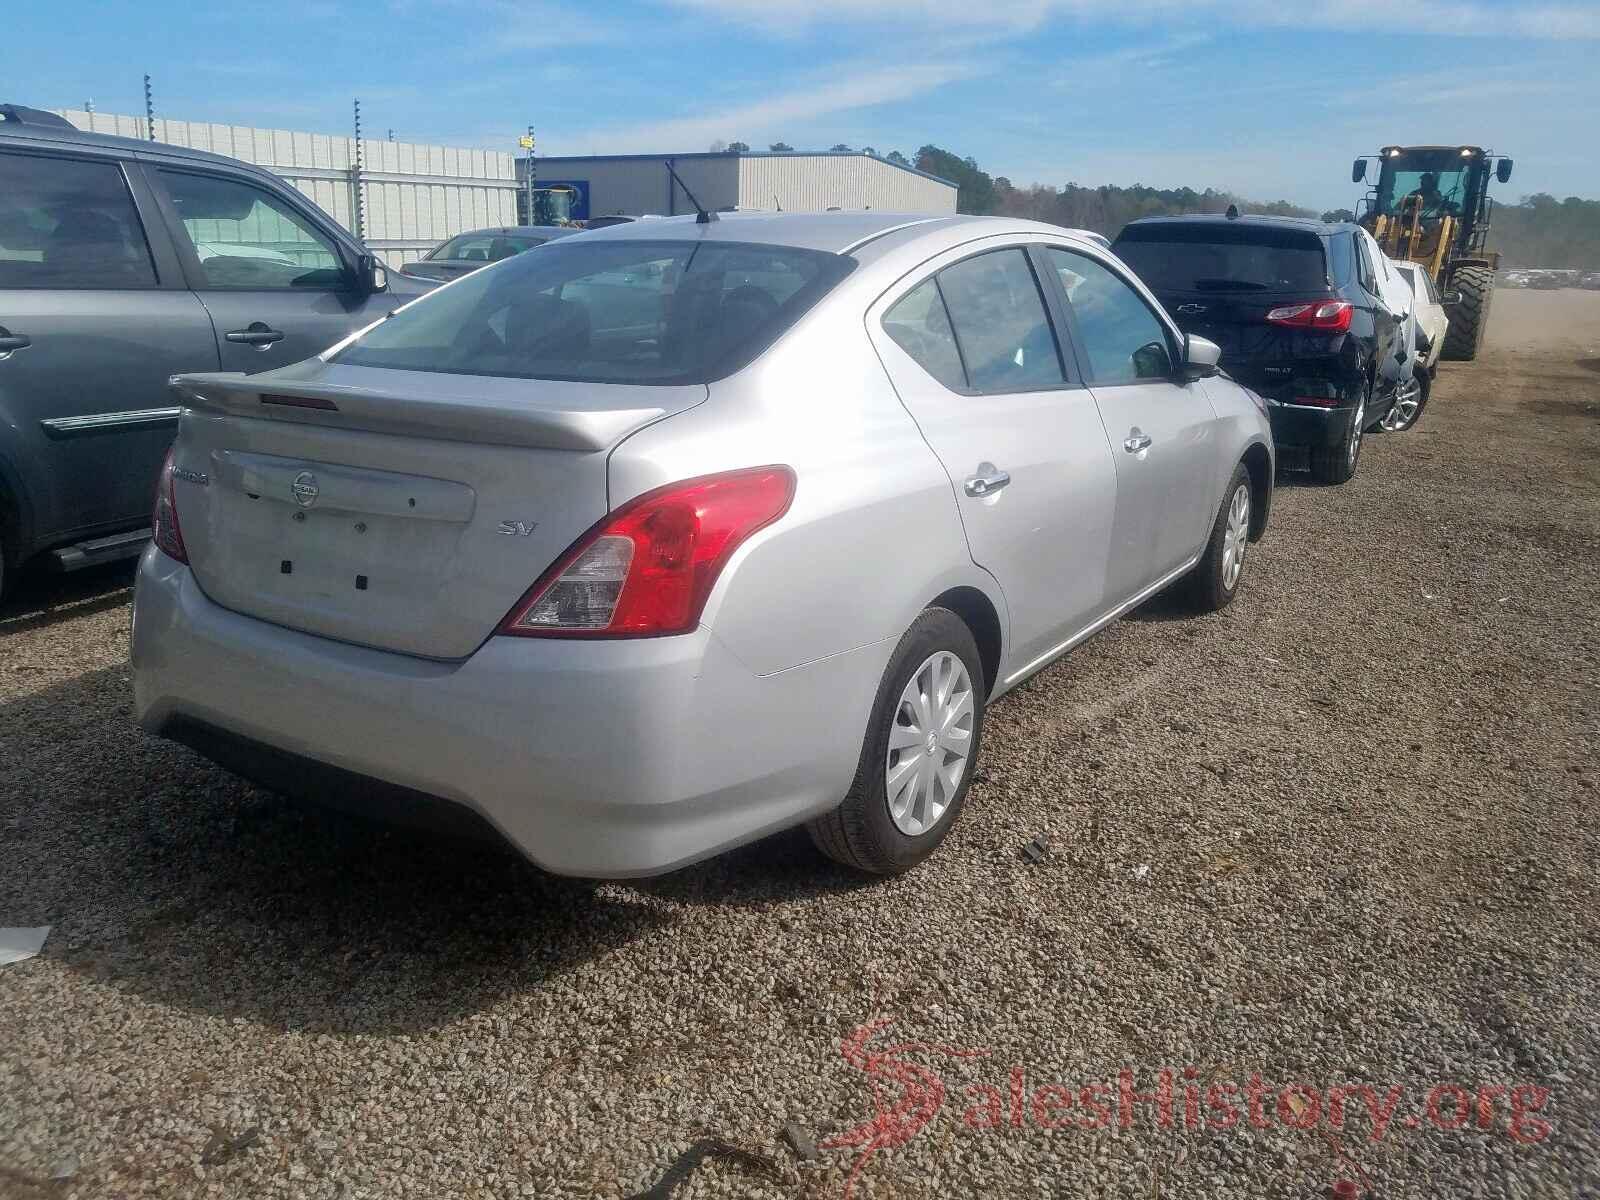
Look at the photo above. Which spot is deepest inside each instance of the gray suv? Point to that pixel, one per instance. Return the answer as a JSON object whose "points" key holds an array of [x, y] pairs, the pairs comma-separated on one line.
{"points": [[122, 263]]}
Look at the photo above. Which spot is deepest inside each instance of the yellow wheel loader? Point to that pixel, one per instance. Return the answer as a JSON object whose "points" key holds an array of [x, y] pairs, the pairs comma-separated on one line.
{"points": [[1431, 205]]}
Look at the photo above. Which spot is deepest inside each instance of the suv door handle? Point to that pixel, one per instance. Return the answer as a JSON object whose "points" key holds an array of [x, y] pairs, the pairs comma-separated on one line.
{"points": [[1136, 441], [255, 334], [989, 480]]}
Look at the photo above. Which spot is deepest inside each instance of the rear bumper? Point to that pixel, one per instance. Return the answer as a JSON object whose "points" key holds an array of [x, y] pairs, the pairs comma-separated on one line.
{"points": [[593, 758]]}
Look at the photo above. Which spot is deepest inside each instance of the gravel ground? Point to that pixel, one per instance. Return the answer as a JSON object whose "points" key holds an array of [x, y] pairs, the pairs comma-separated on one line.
{"points": [[1343, 834]]}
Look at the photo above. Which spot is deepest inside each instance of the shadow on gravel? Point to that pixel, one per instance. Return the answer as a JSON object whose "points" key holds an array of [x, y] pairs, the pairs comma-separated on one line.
{"points": [[42, 598], [171, 879], [782, 869]]}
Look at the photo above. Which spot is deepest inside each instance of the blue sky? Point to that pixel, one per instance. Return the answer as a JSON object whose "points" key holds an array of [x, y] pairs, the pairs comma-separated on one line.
{"points": [[1268, 98]]}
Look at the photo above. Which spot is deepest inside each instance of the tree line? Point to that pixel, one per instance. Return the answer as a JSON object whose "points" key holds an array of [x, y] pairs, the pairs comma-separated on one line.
{"points": [[1540, 231]]}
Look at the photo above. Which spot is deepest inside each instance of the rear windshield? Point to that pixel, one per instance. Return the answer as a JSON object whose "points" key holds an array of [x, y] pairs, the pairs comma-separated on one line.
{"points": [[486, 247], [1224, 258], [605, 311]]}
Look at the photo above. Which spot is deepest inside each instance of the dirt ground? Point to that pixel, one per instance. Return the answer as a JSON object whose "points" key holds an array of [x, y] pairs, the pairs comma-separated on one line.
{"points": [[1331, 853]]}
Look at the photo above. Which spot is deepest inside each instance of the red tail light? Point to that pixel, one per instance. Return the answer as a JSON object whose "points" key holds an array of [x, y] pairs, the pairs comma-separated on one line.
{"points": [[164, 521], [648, 568], [1325, 316]]}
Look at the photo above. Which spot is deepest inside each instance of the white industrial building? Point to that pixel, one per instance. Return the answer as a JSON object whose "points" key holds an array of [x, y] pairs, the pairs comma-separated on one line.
{"points": [[411, 196], [794, 181]]}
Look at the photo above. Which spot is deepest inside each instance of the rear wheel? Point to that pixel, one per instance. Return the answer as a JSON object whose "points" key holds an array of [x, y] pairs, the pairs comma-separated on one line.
{"points": [[1471, 317], [1408, 405], [1214, 582], [1337, 463], [917, 760]]}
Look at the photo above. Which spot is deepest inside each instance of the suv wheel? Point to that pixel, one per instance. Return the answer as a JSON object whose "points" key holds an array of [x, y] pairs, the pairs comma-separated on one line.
{"points": [[1336, 464], [917, 761]]}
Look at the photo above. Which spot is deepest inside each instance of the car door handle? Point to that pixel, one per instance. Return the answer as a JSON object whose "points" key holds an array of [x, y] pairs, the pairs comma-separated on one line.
{"points": [[12, 341], [1137, 441], [255, 334], [989, 480]]}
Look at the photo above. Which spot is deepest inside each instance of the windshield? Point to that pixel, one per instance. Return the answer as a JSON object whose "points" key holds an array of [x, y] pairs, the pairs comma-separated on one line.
{"points": [[1213, 257], [652, 312], [486, 247], [1439, 177]]}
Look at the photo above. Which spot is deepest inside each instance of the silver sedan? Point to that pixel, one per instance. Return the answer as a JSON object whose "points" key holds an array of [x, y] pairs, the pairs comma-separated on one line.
{"points": [[679, 533]]}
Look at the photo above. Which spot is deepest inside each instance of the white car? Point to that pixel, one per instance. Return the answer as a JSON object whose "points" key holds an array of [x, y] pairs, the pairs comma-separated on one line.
{"points": [[1411, 380], [1431, 319]]}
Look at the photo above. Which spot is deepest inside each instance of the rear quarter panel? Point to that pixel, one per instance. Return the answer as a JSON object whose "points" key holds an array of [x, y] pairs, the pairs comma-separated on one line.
{"points": [[873, 534]]}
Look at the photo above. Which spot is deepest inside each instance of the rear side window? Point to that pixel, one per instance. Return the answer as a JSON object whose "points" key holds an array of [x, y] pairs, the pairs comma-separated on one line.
{"points": [[1121, 336], [245, 237], [603, 311], [1341, 259], [920, 326], [69, 223], [1000, 323], [1218, 257]]}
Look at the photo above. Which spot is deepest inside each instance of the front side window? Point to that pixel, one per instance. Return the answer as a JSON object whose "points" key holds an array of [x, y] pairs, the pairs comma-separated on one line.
{"points": [[1122, 338], [920, 326], [245, 237], [1000, 324], [645, 312], [69, 223]]}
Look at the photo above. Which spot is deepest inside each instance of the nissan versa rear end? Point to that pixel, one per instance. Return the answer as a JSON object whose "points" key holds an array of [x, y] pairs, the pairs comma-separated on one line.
{"points": [[664, 538]]}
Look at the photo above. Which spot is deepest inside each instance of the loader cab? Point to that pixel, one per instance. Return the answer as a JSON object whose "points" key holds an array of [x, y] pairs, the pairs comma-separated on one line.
{"points": [[1449, 181]]}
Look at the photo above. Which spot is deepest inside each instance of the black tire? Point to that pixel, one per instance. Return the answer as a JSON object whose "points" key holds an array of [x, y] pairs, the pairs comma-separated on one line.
{"points": [[1471, 317], [1336, 464], [1206, 588], [861, 833]]}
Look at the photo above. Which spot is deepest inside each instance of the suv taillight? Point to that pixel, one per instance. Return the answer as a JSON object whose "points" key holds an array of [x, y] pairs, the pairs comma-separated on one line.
{"points": [[164, 521], [648, 568], [1325, 316]]}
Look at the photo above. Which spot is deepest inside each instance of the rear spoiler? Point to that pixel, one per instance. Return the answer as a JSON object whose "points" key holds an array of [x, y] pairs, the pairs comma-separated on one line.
{"points": [[506, 412]]}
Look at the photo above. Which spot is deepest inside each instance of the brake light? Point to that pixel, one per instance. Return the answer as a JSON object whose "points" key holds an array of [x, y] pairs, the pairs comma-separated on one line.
{"points": [[1325, 316], [164, 520], [648, 568]]}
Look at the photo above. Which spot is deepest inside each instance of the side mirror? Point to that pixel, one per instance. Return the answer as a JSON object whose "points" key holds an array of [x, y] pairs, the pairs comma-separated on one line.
{"points": [[1200, 357], [1450, 298], [1358, 170], [371, 275], [1502, 170]]}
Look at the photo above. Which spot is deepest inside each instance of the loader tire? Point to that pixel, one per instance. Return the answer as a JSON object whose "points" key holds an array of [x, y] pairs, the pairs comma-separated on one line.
{"points": [[1471, 317]]}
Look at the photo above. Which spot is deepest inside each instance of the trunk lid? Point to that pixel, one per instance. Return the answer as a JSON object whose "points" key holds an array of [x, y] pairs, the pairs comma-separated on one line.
{"points": [[403, 510], [1253, 351]]}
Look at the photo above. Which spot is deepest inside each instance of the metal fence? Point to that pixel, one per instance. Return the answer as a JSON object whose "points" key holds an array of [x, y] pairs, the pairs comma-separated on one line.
{"points": [[416, 195]]}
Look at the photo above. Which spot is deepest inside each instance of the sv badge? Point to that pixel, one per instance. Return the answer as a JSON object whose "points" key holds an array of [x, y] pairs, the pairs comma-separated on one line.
{"points": [[517, 528]]}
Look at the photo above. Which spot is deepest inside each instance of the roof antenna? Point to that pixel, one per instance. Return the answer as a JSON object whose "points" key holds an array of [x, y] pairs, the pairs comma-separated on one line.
{"points": [[776, 203], [1232, 214], [702, 217]]}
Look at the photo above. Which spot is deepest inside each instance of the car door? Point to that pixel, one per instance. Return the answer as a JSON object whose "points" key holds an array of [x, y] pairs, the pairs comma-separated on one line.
{"points": [[1162, 430], [970, 346], [279, 286], [94, 316]]}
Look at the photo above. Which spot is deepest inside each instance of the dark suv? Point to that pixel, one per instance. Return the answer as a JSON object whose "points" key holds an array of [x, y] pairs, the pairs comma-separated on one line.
{"points": [[1296, 307], [123, 262]]}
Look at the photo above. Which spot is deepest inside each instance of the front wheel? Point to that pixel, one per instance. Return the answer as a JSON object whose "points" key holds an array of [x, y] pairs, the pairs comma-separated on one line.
{"points": [[1214, 582], [918, 755]]}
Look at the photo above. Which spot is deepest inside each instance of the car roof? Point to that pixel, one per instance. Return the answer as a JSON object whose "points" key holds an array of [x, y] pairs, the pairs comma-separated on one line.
{"points": [[833, 232], [71, 135], [1310, 224]]}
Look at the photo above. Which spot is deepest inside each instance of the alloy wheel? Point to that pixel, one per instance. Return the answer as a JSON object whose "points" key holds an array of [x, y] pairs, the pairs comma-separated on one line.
{"points": [[1235, 536], [1355, 434], [930, 743], [1406, 406]]}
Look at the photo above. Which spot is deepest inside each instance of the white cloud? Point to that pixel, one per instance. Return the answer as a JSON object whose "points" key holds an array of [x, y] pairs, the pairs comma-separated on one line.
{"points": [[1446, 18], [850, 86]]}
